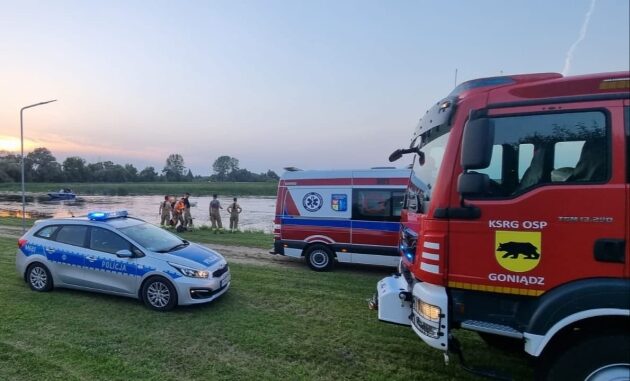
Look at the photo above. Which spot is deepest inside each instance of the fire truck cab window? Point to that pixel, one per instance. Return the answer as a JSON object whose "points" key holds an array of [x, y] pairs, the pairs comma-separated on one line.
{"points": [[494, 169], [377, 205], [560, 148]]}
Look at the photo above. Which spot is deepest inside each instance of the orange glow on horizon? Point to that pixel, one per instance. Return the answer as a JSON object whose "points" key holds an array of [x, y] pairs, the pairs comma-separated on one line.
{"points": [[12, 144]]}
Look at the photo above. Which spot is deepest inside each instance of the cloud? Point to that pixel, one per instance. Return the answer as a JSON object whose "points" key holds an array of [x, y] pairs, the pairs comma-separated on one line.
{"points": [[569, 58]]}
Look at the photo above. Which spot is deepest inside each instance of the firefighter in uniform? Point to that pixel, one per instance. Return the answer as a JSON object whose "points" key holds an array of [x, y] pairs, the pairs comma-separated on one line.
{"points": [[234, 209], [215, 216], [165, 211], [188, 222]]}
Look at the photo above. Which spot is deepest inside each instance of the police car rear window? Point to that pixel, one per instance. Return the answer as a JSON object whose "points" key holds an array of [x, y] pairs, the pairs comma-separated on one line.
{"points": [[72, 235], [47, 231]]}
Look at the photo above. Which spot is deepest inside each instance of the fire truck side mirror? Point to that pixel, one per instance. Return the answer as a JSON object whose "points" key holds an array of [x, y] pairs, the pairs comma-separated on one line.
{"points": [[395, 155], [477, 144], [471, 184]]}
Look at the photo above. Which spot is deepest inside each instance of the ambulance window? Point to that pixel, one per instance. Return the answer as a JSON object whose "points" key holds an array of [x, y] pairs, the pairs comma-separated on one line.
{"points": [[376, 205], [398, 199], [72, 235]]}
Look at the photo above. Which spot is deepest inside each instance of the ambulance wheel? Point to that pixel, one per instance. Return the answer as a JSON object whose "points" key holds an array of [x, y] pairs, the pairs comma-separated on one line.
{"points": [[319, 258], [159, 294], [39, 278], [603, 357]]}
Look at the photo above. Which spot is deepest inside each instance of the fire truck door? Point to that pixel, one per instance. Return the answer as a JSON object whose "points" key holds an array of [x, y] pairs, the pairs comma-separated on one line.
{"points": [[555, 210]]}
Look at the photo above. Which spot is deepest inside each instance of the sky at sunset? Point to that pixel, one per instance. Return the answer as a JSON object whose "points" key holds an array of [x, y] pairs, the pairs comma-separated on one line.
{"points": [[311, 84]]}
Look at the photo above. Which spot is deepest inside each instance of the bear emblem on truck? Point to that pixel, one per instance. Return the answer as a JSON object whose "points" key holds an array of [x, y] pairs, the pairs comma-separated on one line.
{"points": [[518, 251], [514, 249]]}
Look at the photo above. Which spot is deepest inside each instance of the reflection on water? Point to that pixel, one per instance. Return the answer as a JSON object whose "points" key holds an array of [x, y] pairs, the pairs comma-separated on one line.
{"points": [[258, 212], [18, 214]]}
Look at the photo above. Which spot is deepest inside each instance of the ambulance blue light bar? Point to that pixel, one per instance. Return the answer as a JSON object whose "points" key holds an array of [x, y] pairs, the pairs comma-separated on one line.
{"points": [[103, 216]]}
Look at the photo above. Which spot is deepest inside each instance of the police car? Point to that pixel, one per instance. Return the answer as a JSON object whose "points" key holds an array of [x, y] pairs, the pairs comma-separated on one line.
{"points": [[113, 253]]}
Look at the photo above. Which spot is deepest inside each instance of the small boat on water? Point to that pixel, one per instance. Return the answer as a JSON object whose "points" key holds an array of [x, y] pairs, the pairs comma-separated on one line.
{"points": [[63, 194]]}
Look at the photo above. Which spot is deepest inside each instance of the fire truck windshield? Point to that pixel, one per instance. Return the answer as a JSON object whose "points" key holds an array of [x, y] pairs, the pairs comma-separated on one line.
{"points": [[425, 172]]}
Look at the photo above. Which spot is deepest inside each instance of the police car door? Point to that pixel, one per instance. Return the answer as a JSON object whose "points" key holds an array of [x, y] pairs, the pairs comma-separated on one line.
{"points": [[108, 272], [64, 250]]}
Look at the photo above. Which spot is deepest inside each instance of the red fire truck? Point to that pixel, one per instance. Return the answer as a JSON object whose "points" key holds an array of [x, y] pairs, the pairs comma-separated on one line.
{"points": [[522, 234]]}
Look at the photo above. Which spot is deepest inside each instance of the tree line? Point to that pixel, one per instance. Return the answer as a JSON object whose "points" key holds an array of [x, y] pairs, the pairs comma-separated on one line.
{"points": [[40, 165]]}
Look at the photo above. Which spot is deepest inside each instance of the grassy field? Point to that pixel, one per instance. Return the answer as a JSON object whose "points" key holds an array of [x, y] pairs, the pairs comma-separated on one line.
{"points": [[257, 239], [15, 221], [158, 188], [274, 323]]}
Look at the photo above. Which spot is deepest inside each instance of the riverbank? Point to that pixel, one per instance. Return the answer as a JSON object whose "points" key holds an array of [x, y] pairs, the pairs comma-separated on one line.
{"points": [[151, 188], [10, 226]]}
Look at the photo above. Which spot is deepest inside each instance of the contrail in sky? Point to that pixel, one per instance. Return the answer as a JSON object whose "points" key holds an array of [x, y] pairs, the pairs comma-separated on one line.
{"points": [[569, 58]]}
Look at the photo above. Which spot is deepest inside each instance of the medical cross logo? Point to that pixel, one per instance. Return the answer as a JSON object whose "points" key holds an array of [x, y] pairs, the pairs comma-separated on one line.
{"points": [[312, 201]]}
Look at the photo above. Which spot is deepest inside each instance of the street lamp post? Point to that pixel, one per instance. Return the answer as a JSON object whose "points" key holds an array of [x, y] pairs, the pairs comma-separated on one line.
{"points": [[22, 159]]}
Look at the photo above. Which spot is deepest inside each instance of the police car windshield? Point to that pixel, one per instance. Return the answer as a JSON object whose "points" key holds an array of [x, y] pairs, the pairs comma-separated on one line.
{"points": [[153, 238]]}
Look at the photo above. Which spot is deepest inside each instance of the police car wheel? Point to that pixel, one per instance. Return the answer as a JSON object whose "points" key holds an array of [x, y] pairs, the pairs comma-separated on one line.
{"points": [[159, 294], [39, 278], [319, 258]]}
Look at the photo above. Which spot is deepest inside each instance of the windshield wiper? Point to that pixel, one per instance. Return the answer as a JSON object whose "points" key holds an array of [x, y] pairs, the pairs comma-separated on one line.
{"points": [[178, 246]]}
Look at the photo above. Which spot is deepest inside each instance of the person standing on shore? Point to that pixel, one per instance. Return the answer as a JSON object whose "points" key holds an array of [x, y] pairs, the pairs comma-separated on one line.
{"points": [[165, 211], [234, 209], [215, 216], [179, 214], [187, 216]]}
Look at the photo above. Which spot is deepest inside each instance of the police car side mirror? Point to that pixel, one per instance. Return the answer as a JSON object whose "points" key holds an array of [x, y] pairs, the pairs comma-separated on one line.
{"points": [[477, 144], [124, 253]]}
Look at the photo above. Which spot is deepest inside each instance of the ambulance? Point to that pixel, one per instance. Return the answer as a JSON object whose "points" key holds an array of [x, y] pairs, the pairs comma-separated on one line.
{"points": [[350, 216]]}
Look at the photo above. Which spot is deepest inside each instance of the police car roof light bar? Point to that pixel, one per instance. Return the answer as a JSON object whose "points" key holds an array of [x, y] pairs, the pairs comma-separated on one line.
{"points": [[103, 216]]}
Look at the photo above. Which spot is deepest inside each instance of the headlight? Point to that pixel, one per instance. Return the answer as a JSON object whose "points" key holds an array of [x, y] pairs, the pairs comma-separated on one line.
{"points": [[190, 272], [428, 311]]}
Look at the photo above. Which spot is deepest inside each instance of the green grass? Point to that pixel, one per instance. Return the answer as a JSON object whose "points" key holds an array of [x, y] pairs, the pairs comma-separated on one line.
{"points": [[273, 324], [157, 188], [15, 221]]}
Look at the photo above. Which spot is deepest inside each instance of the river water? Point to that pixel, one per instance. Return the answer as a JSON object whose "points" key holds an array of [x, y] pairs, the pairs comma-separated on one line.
{"points": [[258, 212]]}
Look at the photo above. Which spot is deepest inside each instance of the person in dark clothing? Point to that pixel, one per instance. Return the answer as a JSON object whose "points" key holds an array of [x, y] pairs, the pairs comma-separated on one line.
{"points": [[215, 217], [188, 221]]}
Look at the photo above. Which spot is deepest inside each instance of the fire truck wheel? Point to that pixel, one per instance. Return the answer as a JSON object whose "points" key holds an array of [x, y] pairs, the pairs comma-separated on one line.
{"points": [[319, 258], [604, 357]]}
